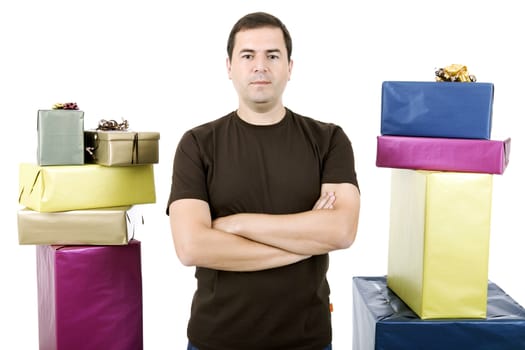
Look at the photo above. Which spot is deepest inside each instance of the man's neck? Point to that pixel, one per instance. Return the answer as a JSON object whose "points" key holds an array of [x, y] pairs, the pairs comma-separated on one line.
{"points": [[263, 116]]}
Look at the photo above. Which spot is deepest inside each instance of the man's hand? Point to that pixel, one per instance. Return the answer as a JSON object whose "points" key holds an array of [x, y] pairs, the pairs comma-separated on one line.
{"points": [[326, 201]]}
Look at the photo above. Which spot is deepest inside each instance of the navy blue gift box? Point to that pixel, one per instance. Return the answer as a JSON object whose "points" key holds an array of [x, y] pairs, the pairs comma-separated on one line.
{"points": [[437, 109], [381, 321]]}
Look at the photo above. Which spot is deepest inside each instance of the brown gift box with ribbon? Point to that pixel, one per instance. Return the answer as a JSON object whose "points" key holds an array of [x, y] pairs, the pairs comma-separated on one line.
{"points": [[112, 145]]}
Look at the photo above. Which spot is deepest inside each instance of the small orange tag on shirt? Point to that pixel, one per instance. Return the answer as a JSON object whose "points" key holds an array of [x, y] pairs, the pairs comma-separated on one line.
{"points": [[331, 307]]}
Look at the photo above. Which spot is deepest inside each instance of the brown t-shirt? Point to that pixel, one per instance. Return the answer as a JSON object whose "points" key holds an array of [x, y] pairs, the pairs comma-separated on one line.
{"points": [[277, 169]]}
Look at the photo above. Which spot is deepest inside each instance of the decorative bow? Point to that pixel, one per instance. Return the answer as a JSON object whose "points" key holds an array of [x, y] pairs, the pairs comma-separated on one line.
{"points": [[112, 125], [67, 105], [455, 73]]}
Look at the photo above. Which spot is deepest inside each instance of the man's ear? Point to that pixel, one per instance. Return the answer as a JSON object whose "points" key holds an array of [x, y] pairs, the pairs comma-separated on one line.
{"points": [[229, 67], [290, 66]]}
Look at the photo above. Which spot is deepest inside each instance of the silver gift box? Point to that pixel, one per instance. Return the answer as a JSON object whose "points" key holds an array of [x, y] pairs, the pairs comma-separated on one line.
{"points": [[60, 137]]}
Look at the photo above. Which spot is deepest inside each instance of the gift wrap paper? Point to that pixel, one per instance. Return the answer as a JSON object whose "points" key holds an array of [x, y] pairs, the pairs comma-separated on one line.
{"points": [[60, 137], [439, 242], [437, 109], [381, 321], [113, 148], [88, 186], [90, 297], [443, 154], [104, 226]]}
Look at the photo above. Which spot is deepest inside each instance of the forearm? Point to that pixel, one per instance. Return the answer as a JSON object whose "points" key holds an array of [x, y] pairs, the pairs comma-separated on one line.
{"points": [[311, 232], [198, 244], [223, 251]]}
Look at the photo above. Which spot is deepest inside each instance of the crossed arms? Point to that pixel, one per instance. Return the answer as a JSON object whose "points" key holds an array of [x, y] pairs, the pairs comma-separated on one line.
{"points": [[250, 242]]}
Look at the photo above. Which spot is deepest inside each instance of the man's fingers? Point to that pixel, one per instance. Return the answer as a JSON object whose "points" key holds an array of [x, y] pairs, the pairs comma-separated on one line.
{"points": [[326, 201]]}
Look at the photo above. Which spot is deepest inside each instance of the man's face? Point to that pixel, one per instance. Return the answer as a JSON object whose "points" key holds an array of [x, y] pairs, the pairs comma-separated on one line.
{"points": [[259, 67]]}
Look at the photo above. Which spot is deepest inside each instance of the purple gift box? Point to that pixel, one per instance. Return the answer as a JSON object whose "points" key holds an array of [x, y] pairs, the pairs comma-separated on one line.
{"points": [[443, 154], [90, 297]]}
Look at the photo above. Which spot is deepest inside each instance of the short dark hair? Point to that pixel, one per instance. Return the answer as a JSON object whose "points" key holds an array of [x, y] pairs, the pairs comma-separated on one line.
{"points": [[258, 20]]}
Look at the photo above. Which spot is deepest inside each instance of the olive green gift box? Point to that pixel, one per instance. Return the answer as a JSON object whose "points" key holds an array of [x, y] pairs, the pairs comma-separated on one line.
{"points": [[121, 148]]}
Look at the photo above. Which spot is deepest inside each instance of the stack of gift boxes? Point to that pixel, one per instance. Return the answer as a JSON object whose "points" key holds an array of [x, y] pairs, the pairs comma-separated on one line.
{"points": [[80, 205], [435, 137]]}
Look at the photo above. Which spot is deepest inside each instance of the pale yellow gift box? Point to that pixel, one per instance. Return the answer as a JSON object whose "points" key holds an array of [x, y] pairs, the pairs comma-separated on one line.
{"points": [[104, 226], [88, 186], [439, 242]]}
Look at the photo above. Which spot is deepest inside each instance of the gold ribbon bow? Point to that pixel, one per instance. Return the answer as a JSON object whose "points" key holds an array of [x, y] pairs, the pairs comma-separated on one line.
{"points": [[455, 73]]}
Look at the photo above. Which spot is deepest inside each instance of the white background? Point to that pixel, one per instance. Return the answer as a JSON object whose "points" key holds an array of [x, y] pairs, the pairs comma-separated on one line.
{"points": [[161, 65]]}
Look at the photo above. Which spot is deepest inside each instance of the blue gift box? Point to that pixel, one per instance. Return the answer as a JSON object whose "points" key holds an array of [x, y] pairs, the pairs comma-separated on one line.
{"points": [[381, 321], [437, 109]]}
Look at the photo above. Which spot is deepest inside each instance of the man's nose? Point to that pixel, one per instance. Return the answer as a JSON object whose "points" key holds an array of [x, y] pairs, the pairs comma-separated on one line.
{"points": [[260, 64]]}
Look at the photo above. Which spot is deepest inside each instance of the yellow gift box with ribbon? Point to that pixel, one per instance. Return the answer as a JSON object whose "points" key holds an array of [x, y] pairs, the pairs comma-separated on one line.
{"points": [[439, 242], [88, 186]]}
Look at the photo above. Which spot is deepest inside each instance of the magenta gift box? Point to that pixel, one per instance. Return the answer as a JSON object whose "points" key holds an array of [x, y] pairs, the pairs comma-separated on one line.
{"points": [[443, 154], [90, 297]]}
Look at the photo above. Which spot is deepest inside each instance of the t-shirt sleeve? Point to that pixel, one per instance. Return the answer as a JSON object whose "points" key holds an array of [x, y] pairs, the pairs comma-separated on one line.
{"points": [[339, 163], [188, 175]]}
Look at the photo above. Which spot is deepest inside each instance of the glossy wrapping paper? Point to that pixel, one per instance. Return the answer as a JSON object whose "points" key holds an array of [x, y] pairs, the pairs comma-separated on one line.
{"points": [[60, 137], [443, 154], [88, 186], [104, 226], [437, 109], [120, 148], [382, 321], [438, 248], [90, 297]]}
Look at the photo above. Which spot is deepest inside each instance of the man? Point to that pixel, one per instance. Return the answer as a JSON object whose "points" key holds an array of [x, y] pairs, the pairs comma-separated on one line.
{"points": [[259, 197]]}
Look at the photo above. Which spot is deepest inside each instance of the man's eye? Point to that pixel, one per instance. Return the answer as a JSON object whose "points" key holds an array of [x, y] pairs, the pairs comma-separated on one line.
{"points": [[247, 57], [273, 57]]}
